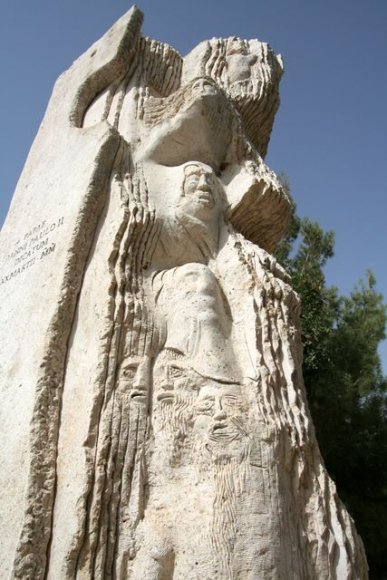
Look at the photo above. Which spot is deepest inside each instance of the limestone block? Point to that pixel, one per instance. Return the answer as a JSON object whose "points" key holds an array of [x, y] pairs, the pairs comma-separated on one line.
{"points": [[154, 421]]}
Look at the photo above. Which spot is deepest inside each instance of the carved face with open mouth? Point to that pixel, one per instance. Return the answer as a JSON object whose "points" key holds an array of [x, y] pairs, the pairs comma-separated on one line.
{"points": [[219, 412], [134, 379], [175, 386], [175, 381]]}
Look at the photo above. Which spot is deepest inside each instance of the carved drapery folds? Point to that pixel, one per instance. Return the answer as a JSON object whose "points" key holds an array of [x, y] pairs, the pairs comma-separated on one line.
{"points": [[195, 456]]}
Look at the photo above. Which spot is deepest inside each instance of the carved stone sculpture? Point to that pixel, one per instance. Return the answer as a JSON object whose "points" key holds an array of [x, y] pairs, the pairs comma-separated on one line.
{"points": [[153, 415]]}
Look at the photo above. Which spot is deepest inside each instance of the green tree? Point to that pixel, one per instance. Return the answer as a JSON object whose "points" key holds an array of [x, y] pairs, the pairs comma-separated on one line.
{"points": [[347, 391]]}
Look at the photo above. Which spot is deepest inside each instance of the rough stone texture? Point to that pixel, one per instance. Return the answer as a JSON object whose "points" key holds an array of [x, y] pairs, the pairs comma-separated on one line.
{"points": [[153, 417]]}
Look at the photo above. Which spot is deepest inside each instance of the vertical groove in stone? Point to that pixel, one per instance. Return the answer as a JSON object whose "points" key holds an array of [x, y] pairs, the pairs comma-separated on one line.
{"points": [[121, 425]]}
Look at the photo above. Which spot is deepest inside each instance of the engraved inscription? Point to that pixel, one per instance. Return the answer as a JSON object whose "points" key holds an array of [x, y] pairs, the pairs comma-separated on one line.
{"points": [[35, 245]]}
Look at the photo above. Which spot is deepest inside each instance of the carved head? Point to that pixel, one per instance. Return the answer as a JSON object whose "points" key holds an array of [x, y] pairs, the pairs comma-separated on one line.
{"points": [[220, 414], [173, 380], [249, 73], [239, 61], [196, 413], [134, 379], [200, 190]]}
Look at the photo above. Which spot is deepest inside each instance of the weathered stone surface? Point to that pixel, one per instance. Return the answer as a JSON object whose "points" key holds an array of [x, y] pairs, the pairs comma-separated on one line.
{"points": [[153, 417]]}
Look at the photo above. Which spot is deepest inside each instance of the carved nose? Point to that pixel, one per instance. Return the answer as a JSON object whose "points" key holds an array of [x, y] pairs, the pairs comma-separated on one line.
{"points": [[220, 414], [167, 385], [138, 384], [203, 182]]}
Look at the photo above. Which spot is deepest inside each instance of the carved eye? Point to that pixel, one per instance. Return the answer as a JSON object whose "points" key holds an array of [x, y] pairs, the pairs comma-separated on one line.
{"points": [[129, 372], [229, 400], [193, 178], [191, 181], [175, 372], [205, 406]]}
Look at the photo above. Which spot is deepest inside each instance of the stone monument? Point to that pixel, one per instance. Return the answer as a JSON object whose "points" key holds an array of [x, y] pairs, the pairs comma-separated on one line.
{"points": [[154, 422]]}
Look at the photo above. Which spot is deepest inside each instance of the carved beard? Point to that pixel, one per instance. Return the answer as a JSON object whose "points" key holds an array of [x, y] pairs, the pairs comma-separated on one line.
{"points": [[229, 445], [175, 420], [227, 465]]}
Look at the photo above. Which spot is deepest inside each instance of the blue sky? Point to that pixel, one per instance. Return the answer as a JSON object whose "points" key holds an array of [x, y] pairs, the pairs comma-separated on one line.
{"points": [[330, 135]]}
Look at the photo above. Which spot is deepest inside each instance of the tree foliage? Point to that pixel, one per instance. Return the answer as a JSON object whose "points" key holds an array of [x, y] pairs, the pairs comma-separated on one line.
{"points": [[347, 391]]}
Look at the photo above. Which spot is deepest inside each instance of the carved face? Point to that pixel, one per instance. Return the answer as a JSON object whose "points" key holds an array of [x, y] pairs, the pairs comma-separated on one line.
{"points": [[175, 390], [174, 382], [199, 190], [219, 412], [239, 62], [134, 379]]}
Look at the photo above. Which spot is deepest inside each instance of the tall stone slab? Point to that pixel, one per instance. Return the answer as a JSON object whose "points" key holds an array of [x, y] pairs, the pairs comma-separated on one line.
{"points": [[153, 421]]}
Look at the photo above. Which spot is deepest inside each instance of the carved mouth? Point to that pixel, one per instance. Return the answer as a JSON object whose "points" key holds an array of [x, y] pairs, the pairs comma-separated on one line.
{"points": [[165, 397], [137, 395], [205, 199], [219, 427]]}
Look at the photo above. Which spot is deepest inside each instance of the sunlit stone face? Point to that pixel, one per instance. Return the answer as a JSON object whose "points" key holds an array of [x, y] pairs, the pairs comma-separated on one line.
{"points": [[239, 62], [219, 412], [199, 190], [172, 379], [135, 380]]}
